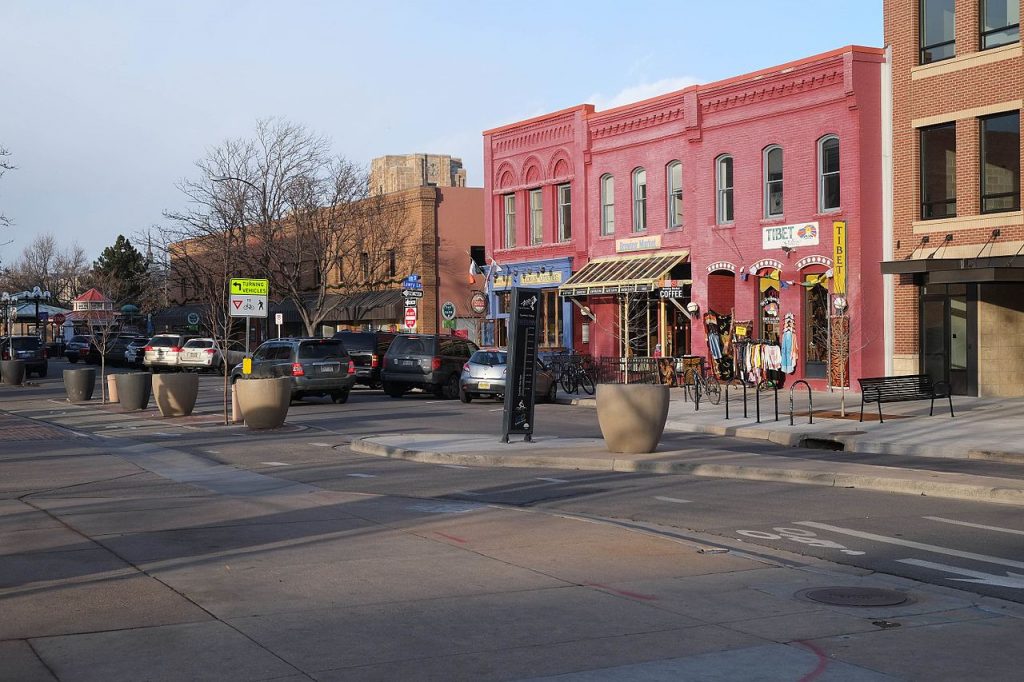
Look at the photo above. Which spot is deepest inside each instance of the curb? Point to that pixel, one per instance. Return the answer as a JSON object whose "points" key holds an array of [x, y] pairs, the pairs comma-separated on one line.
{"points": [[948, 490]]}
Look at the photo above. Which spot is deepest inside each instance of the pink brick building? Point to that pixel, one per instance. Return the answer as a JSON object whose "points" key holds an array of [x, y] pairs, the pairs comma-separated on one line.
{"points": [[722, 199]]}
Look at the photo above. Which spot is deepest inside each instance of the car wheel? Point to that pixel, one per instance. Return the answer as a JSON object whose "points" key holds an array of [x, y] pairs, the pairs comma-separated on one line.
{"points": [[465, 397], [393, 390], [450, 389], [341, 397]]}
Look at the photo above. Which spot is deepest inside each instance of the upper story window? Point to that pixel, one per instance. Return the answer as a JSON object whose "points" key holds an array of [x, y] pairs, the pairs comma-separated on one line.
{"points": [[510, 220], [364, 264], [937, 30], [639, 200], [607, 205], [772, 182], [392, 263], [1000, 162], [828, 174], [564, 213], [723, 190], [674, 188], [1000, 22], [536, 217], [938, 171]]}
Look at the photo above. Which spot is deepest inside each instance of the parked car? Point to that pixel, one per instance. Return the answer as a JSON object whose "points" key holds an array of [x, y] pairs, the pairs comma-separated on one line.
{"points": [[316, 366], [28, 349], [367, 350], [426, 361], [206, 354], [163, 350], [135, 350], [78, 348], [486, 371], [114, 347]]}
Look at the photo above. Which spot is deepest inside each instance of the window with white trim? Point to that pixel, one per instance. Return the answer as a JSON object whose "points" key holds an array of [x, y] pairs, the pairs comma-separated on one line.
{"points": [[564, 212], [536, 216], [828, 174], [772, 163], [674, 187], [639, 200], [607, 205], [723, 190], [510, 220]]}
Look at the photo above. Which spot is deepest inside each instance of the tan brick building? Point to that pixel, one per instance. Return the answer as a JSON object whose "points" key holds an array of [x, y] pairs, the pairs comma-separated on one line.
{"points": [[955, 243], [395, 173]]}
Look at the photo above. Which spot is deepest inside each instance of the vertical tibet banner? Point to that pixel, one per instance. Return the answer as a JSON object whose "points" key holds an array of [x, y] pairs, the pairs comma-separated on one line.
{"points": [[839, 257]]}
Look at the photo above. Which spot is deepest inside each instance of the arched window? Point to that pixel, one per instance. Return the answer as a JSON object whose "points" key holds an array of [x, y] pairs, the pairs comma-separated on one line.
{"points": [[607, 205], [639, 200], [772, 164], [723, 189], [674, 188], [828, 173]]}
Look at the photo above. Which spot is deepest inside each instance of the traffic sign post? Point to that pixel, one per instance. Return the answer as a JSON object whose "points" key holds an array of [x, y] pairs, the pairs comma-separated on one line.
{"points": [[248, 298], [410, 317], [279, 319]]}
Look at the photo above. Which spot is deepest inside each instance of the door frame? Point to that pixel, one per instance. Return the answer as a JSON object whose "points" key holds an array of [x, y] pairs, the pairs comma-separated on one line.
{"points": [[969, 385]]}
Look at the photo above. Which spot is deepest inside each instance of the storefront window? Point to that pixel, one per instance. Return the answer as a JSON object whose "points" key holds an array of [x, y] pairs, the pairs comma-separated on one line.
{"points": [[550, 327], [815, 332]]}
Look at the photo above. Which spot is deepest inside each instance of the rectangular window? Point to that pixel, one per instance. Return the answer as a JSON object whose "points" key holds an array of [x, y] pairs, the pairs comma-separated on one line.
{"points": [[510, 221], [938, 171], [937, 30], [1000, 163], [364, 260], [392, 264], [549, 327], [536, 217], [675, 195], [828, 163], [724, 183], [639, 200], [773, 182], [607, 205], [564, 213], [1000, 23]]}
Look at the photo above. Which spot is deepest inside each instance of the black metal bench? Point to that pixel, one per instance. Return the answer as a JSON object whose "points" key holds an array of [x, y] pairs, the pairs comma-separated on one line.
{"points": [[899, 389]]}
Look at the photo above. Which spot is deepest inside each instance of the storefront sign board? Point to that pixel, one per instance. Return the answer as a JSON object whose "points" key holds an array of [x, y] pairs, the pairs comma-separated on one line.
{"points": [[671, 292], [528, 279], [839, 257], [638, 244], [791, 236]]}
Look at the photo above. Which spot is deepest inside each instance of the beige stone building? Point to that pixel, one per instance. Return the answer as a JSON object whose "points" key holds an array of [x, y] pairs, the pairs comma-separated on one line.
{"points": [[395, 173]]}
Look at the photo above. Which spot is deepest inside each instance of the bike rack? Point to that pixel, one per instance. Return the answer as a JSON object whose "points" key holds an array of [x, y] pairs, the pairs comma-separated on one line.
{"points": [[690, 371], [776, 402], [727, 385], [810, 402]]}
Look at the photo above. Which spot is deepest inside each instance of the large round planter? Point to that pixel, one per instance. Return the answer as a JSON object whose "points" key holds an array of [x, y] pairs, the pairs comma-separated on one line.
{"points": [[175, 394], [133, 390], [79, 384], [264, 402], [632, 416], [13, 372]]}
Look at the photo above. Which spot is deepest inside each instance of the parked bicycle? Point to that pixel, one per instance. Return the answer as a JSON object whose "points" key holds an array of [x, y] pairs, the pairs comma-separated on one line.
{"points": [[574, 377], [695, 380]]}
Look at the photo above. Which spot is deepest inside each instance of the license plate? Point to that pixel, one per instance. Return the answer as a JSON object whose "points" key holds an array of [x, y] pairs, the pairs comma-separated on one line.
{"points": [[483, 385], [408, 362], [326, 369]]}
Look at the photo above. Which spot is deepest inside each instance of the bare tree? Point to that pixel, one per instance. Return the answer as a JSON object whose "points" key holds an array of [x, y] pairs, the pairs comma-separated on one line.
{"points": [[4, 167], [43, 264]]}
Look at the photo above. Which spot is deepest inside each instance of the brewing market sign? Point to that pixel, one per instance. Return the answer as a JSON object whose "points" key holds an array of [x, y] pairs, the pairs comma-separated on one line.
{"points": [[522, 364]]}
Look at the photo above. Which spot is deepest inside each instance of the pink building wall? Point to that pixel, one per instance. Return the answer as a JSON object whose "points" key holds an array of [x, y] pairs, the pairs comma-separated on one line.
{"points": [[793, 105]]}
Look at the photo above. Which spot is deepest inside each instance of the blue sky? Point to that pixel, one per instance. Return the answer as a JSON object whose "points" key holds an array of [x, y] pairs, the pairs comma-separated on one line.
{"points": [[106, 105]]}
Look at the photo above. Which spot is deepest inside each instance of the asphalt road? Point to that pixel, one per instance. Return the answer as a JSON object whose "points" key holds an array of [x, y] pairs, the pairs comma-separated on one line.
{"points": [[979, 547]]}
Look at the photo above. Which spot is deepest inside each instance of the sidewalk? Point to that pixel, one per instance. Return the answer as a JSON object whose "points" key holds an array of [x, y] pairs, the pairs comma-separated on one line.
{"points": [[983, 432]]}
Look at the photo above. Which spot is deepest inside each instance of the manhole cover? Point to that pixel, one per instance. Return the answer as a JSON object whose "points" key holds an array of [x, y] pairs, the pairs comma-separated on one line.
{"points": [[856, 596]]}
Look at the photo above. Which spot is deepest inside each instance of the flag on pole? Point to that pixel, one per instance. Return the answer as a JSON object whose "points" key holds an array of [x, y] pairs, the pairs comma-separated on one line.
{"points": [[474, 270]]}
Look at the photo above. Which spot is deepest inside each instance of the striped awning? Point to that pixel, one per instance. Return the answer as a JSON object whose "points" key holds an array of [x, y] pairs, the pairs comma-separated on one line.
{"points": [[622, 274]]}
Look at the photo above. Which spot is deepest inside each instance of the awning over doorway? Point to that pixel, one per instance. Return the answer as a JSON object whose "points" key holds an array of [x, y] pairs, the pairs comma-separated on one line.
{"points": [[622, 274], [958, 270]]}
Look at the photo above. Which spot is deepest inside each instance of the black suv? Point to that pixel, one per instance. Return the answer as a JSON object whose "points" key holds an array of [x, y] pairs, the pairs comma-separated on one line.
{"points": [[316, 366], [426, 361], [367, 350], [27, 348]]}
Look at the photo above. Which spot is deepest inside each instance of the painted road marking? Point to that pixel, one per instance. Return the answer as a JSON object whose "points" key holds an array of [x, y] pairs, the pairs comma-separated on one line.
{"points": [[321, 445], [454, 466], [800, 535], [552, 480], [362, 475], [1009, 580], [672, 499], [914, 545], [975, 525], [213, 452], [275, 464]]}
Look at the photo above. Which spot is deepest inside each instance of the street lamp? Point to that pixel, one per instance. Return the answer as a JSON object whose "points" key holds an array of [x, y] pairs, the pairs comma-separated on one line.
{"points": [[37, 295], [9, 303]]}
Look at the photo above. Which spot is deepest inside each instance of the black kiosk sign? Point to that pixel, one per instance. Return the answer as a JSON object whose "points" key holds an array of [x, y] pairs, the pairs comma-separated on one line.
{"points": [[522, 364]]}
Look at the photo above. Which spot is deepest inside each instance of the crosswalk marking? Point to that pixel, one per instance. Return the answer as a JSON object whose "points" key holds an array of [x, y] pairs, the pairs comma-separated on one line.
{"points": [[913, 545], [671, 499], [362, 475], [975, 525]]}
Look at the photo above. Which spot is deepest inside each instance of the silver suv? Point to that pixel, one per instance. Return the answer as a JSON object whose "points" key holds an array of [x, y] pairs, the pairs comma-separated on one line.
{"points": [[163, 350], [316, 366]]}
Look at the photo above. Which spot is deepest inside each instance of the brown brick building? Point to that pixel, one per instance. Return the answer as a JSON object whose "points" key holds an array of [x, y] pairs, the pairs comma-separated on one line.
{"points": [[955, 248]]}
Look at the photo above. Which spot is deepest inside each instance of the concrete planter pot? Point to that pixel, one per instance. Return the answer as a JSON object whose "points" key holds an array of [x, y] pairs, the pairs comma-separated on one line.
{"points": [[632, 416], [79, 384], [133, 390], [175, 394], [264, 402], [13, 372]]}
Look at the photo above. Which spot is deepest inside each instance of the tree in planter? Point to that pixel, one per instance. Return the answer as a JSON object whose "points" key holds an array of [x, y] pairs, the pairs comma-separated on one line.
{"points": [[105, 328]]}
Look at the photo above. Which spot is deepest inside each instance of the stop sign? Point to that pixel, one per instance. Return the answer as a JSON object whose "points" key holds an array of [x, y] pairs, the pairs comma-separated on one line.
{"points": [[410, 317], [58, 319]]}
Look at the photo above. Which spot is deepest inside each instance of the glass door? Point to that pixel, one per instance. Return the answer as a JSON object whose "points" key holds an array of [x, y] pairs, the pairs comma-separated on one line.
{"points": [[945, 340]]}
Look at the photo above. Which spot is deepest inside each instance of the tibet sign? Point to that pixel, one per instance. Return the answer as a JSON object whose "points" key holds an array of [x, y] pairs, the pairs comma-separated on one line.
{"points": [[790, 236]]}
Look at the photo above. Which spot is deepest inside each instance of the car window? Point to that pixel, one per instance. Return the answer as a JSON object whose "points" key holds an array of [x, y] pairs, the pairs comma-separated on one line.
{"points": [[313, 350], [282, 352], [79, 339], [489, 357], [163, 341], [262, 353], [448, 347], [410, 345], [199, 343], [356, 342], [25, 343], [383, 343]]}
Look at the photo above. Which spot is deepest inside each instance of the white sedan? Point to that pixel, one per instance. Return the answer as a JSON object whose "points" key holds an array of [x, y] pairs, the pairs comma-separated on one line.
{"points": [[205, 354]]}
